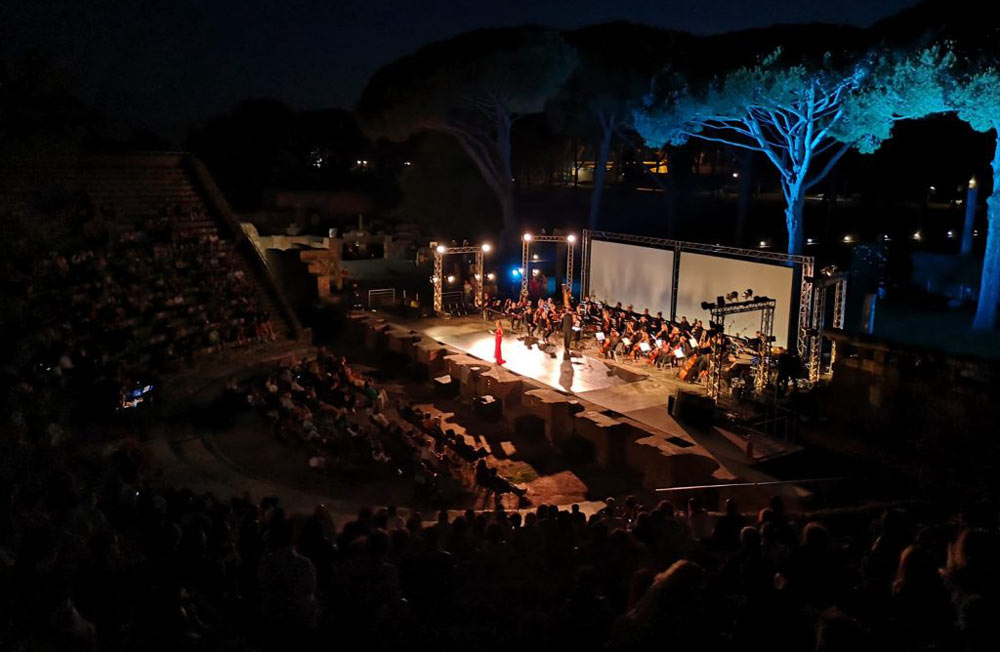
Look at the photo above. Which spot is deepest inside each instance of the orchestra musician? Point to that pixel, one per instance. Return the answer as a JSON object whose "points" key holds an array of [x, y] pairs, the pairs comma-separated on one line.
{"points": [[682, 343]]}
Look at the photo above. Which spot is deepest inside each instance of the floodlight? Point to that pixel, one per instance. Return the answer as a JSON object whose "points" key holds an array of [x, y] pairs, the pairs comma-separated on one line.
{"points": [[486, 247], [571, 238], [490, 276], [441, 249], [526, 237], [451, 278]]}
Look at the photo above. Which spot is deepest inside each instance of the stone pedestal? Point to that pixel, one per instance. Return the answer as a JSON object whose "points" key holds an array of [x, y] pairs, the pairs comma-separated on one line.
{"points": [[608, 436], [556, 409]]}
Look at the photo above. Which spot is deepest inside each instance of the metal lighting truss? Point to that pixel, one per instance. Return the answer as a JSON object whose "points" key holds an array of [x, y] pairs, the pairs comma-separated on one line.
{"points": [[438, 279], [762, 372], [529, 238], [822, 284]]}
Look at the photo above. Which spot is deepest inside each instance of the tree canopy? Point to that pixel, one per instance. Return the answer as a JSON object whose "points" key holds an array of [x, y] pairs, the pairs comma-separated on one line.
{"points": [[471, 87]]}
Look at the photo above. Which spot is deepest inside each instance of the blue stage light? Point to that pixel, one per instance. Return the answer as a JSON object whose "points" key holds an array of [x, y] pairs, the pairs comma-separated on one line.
{"points": [[516, 272]]}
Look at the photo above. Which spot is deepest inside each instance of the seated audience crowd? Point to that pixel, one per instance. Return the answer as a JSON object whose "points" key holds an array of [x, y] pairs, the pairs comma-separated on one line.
{"points": [[348, 426], [97, 554], [124, 294]]}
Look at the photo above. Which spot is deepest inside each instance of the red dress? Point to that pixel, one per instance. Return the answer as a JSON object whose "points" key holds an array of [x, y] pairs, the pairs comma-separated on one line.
{"points": [[497, 354]]}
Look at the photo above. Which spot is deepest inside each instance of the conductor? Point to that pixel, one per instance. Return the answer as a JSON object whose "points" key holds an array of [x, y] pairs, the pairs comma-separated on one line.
{"points": [[567, 329]]}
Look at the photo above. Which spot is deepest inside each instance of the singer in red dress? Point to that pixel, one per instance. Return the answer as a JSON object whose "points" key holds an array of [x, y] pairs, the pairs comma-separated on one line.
{"points": [[499, 338]]}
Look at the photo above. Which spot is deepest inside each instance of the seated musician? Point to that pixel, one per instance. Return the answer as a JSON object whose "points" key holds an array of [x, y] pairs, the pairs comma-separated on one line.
{"points": [[662, 329], [662, 355], [658, 324], [606, 322], [530, 320], [698, 331], [611, 344], [629, 331], [701, 366], [636, 349], [548, 324]]}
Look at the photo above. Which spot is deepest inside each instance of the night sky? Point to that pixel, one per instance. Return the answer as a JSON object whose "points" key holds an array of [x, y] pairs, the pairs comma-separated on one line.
{"points": [[162, 63]]}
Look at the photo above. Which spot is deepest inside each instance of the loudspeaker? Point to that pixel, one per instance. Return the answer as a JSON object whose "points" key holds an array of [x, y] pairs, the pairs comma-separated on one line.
{"points": [[693, 409]]}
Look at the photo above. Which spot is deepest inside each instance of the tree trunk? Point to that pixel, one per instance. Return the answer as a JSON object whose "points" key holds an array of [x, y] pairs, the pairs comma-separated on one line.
{"points": [[600, 170], [989, 285], [969, 227], [795, 197]]}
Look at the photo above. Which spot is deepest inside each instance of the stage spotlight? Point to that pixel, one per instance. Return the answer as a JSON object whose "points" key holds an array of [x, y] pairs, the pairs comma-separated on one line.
{"points": [[526, 237], [720, 301], [534, 256], [829, 270], [515, 272], [705, 305], [917, 236], [491, 276], [732, 296], [951, 234], [848, 239], [451, 279], [477, 277], [747, 293], [434, 280], [441, 249], [486, 248], [571, 238]]}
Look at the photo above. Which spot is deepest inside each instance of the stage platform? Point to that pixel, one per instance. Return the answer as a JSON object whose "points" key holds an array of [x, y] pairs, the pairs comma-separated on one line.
{"points": [[634, 391], [524, 356]]}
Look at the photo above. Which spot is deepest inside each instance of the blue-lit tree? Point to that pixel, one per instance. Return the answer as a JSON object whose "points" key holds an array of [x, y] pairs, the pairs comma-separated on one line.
{"points": [[786, 112], [976, 98], [802, 118]]}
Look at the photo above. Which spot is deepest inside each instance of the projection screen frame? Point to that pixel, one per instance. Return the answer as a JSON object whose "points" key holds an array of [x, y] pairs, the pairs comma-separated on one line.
{"points": [[805, 263]]}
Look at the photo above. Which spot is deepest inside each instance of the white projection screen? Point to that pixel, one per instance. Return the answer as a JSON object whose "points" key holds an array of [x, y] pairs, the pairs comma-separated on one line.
{"points": [[703, 278], [641, 276]]}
